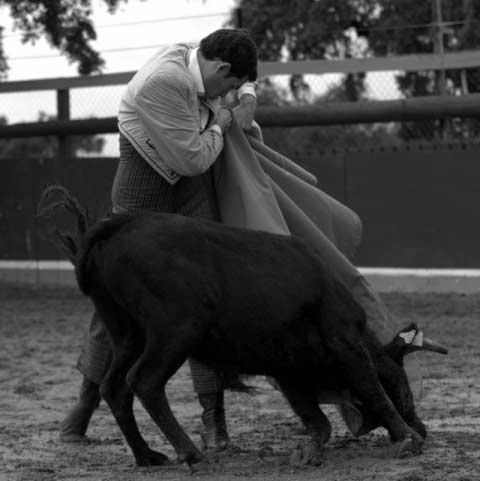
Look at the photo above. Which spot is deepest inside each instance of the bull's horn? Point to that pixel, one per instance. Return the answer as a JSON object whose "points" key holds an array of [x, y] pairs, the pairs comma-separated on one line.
{"points": [[415, 341], [434, 346]]}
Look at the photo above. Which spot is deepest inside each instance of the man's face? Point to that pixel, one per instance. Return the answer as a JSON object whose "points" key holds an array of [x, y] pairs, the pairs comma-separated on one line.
{"points": [[220, 82]]}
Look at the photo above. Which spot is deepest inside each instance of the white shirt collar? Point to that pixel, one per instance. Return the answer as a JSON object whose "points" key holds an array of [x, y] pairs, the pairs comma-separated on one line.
{"points": [[194, 68]]}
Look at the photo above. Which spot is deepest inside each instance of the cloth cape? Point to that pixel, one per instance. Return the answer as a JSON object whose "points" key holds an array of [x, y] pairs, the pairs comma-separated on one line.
{"points": [[258, 188]]}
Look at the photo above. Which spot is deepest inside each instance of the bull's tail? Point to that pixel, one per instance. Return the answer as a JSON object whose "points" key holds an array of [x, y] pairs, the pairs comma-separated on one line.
{"points": [[68, 242], [77, 246]]}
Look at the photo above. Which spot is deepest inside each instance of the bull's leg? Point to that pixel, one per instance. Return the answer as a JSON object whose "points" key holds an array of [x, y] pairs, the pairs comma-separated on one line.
{"points": [[163, 356], [358, 370], [119, 398], [305, 405], [127, 343]]}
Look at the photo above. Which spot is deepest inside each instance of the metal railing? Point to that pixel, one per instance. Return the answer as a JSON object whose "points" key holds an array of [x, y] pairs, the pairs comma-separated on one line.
{"points": [[418, 108]]}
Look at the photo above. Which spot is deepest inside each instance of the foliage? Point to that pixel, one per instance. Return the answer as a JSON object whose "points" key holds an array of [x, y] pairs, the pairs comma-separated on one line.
{"points": [[47, 146], [307, 29], [461, 33], [303, 29], [66, 24]]}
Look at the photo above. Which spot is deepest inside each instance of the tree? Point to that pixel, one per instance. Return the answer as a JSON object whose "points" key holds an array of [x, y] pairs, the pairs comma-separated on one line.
{"points": [[308, 29], [329, 29], [66, 24], [409, 26]]}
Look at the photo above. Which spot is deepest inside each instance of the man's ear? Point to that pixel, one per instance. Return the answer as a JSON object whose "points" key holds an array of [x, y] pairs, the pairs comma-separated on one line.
{"points": [[224, 68]]}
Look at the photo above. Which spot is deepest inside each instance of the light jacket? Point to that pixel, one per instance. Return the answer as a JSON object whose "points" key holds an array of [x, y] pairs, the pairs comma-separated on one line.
{"points": [[160, 114]]}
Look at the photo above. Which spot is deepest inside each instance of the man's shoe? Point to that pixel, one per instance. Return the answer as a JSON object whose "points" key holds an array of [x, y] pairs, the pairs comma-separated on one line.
{"points": [[75, 424], [214, 434]]}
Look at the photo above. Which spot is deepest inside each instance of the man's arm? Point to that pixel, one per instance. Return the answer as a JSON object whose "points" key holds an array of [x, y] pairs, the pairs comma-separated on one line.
{"points": [[244, 112], [173, 126]]}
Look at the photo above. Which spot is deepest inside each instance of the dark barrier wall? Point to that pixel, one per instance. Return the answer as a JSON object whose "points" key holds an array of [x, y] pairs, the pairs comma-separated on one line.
{"points": [[21, 182], [418, 207]]}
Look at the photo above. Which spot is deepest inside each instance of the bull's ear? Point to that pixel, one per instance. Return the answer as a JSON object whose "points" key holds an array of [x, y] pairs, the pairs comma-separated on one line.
{"points": [[410, 340]]}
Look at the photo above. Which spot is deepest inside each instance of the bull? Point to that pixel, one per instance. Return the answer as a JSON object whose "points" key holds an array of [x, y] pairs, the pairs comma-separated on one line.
{"points": [[168, 288]]}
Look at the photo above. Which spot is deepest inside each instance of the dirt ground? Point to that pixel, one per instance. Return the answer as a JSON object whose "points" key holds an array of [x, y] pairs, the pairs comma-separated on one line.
{"points": [[41, 332]]}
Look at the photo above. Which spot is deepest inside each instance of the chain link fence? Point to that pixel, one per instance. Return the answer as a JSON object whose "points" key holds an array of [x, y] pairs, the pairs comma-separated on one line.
{"points": [[371, 86], [292, 90]]}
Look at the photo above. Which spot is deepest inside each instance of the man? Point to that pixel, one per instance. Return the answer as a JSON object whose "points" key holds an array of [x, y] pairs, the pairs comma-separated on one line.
{"points": [[171, 127]]}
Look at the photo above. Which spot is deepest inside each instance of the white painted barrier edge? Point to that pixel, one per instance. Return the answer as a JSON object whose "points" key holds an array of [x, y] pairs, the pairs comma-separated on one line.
{"points": [[367, 271], [57, 273]]}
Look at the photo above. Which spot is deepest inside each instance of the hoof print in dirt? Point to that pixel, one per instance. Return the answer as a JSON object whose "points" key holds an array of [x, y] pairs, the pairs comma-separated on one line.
{"points": [[307, 455]]}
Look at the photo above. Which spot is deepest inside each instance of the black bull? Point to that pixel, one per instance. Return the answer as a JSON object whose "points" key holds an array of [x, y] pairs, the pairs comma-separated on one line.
{"points": [[169, 288]]}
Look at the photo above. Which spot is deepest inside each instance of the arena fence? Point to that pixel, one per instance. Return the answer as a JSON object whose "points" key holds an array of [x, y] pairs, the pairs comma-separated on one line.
{"points": [[416, 198], [296, 113]]}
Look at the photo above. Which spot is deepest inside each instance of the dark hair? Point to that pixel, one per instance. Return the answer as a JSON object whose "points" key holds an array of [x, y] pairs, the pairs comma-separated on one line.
{"points": [[234, 46]]}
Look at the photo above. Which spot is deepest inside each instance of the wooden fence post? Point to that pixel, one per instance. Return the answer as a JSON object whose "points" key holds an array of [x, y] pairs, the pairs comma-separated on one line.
{"points": [[65, 146]]}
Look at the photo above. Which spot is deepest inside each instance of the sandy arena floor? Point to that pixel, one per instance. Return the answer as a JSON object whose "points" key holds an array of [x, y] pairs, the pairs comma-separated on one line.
{"points": [[41, 332]]}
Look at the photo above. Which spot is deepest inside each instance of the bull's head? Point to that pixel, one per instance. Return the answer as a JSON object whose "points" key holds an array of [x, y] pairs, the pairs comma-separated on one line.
{"points": [[394, 381], [409, 340]]}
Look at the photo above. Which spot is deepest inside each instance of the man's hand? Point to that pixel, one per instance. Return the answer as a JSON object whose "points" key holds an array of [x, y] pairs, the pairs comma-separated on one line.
{"points": [[224, 119], [244, 112]]}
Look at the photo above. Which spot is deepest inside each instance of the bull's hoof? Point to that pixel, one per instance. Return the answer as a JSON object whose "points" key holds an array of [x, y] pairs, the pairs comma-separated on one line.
{"points": [[410, 446], [150, 458], [419, 428], [307, 455]]}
